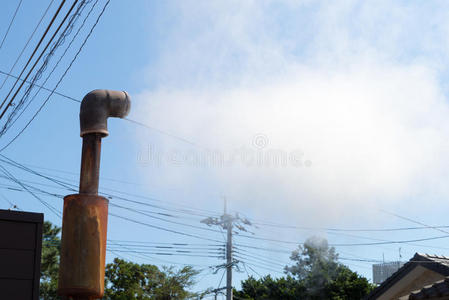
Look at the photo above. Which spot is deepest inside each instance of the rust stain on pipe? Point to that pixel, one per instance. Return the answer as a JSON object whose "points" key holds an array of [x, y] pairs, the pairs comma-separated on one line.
{"points": [[83, 248], [90, 164]]}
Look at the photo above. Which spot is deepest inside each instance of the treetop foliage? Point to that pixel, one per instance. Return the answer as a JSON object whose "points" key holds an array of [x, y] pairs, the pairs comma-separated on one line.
{"points": [[315, 274]]}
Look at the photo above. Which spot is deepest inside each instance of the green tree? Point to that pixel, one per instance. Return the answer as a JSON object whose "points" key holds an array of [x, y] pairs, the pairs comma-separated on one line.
{"points": [[348, 285], [315, 266], [51, 245], [315, 274], [130, 281], [286, 288]]}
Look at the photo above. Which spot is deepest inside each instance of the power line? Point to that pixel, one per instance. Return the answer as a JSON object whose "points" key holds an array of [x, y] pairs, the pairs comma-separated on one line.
{"points": [[164, 229], [352, 244], [261, 267], [173, 248], [382, 242], [26, 44], [246, 270], [164, 220], [62, 77], [10, 23], [130, 209], [255, 223], [127, 119], [392, 242], [416, 222], [34, 52], [72, 187], [66, 32], [114, 205], [12, 205], [154, 253], [253, 255], [22, 167], [39, 86], [146, 256], [260, 276], [164, 243], [258, 260], [259, 223], [51, 208], [262, 248], [168, 254], [163, 132]]}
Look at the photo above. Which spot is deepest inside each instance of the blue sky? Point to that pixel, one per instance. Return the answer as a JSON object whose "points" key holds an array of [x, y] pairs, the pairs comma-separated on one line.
{"points": [[349, 96]]}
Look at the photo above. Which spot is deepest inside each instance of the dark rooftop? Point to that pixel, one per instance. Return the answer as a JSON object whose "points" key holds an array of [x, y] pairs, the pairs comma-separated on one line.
{"points": [[436, 263], [438, 289]]}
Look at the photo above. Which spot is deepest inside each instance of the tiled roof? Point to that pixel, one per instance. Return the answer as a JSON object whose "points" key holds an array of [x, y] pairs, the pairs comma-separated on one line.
{"points": [[436, 263], [435, 258], [438, 289]]}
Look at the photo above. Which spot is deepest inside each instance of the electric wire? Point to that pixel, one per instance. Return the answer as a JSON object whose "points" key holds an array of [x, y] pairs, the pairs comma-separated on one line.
{"points": [[274, 225], [269, 264], [253, 255], [162, 132], [344, 244], [127, 119], [358, 244], [66, 32], [167, 253], [28, 187], [25, 46], [72, 187], [162, 219], [51, 208], [221, 279], [258, 248], [416, 222], [39, 86], [11, 205], [32, 55], [258, 266], [146, 256], [165, 243], [262, 248], [62, 77], [164, 229], [10, 24]]}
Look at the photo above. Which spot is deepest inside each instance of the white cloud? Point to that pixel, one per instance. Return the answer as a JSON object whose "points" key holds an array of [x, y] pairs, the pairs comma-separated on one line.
{"points": [[362, 99]]}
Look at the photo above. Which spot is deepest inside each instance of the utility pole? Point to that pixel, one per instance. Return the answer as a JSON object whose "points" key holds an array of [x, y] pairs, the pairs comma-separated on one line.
{"points": [[228, 222]]}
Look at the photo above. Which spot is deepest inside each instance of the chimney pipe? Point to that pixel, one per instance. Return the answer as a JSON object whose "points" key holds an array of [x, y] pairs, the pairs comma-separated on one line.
{"points": [[84, 225]]}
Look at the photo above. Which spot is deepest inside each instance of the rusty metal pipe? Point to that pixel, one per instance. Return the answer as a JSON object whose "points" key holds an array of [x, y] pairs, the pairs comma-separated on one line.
{"points": [[90, 164], [97, 106], [85, 216]]}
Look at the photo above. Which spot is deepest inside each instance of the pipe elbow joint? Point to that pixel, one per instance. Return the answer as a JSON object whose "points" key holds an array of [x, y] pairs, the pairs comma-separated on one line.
{"points": [[98, 105]]}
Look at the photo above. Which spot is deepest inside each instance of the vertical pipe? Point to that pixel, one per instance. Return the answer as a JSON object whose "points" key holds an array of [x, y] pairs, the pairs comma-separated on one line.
{"points": [[85, 216], [90, 164]]}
